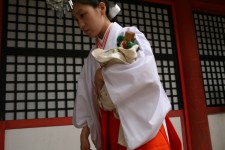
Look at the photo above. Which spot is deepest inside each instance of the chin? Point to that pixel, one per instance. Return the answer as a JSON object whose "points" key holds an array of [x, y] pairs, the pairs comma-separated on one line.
{"points": [[91, 35]]}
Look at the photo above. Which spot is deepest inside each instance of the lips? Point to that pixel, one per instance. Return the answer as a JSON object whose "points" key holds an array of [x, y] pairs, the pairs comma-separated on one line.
{"points": [[88, 32], [85, 31]]}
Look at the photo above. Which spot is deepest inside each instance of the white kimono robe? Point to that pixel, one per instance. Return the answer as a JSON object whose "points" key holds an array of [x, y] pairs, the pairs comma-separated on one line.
{"points": [[135, 90]]}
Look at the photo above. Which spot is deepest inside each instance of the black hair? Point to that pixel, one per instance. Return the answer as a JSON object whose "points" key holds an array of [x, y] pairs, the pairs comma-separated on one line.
{"points": [[94, 3]]}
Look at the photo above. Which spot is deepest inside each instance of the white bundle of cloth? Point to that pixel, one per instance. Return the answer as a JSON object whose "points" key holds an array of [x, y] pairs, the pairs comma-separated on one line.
{"points": [[107, 58]]}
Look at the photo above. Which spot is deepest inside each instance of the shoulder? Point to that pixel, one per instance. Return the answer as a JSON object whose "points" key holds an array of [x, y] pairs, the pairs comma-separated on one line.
{"points": [[122, 30], [140, 38], [89, 63]]}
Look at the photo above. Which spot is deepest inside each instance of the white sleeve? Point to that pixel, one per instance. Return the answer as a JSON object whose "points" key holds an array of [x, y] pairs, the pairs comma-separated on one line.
{"points": [[137, 93], [85, 110]]}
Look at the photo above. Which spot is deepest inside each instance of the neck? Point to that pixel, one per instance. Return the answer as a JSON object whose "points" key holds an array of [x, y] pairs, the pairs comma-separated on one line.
{"points": [[104, 28]]}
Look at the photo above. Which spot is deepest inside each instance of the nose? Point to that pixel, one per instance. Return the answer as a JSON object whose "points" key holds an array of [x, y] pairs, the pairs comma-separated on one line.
{"points": [[81, 24]]}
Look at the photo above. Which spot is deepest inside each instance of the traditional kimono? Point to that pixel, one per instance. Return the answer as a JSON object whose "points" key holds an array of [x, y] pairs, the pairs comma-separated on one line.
{"points": [[135, 90]]}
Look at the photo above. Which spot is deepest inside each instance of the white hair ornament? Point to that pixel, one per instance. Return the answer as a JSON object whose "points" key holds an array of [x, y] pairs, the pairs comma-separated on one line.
{"points": [[60, 6], [113, 11]]}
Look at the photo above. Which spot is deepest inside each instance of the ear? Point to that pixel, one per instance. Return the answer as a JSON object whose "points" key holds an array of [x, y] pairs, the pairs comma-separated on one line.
{"points": [[102, 8]]}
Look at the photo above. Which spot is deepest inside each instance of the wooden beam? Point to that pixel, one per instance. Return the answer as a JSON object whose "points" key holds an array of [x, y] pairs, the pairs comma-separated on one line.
{"points": [[194, 104]]}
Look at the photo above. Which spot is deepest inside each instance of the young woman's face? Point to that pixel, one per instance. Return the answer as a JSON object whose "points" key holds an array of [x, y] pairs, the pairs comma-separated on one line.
{"points": [[89, 19]]}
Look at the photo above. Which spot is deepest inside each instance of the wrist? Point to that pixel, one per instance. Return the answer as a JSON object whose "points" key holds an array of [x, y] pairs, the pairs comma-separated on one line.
{"points": [[85, 132]]}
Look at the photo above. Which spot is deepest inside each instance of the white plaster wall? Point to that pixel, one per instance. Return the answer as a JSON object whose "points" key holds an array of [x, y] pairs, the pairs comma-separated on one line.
{"points": [[52, 138], [46, 138], [217, 130], [177, 124]]}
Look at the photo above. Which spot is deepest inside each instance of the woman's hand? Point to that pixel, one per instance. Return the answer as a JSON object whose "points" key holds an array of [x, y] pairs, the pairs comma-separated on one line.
{"points": [[99, 82], [85, 144]]}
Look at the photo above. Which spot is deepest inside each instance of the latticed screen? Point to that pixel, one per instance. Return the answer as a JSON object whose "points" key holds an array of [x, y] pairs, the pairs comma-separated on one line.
{"points": [[32, 25], [40, 86], [43, 56], [210, 31]]}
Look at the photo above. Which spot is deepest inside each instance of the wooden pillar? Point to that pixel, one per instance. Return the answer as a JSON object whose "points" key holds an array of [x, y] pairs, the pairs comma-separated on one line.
{"points": [[2, 123], [2, 135], [194, 104]]}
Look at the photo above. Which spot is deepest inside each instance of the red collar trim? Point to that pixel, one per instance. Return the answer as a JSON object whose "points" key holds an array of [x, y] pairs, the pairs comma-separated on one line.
{"points": [[98, 42]]}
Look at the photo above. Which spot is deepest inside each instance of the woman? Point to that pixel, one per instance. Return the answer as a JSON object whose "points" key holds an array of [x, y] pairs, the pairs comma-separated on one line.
{"points": [[134, 89]]}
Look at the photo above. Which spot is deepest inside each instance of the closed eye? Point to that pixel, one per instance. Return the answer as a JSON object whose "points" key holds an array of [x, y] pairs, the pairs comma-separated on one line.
{"points": [[82, 15]]}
